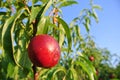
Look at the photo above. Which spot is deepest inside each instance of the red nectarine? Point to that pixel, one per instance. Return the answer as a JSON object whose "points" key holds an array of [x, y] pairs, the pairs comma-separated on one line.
{"points": [[44, 51]]}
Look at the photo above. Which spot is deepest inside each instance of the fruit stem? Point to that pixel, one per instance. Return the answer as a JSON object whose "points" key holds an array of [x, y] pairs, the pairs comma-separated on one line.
{"points": [[35, 72]]}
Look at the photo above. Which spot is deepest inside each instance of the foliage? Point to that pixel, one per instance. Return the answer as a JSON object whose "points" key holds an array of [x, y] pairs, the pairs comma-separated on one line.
{"points": [[23, 19]]}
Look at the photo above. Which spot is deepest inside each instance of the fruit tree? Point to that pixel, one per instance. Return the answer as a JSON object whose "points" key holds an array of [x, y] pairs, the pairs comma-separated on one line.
{"points": [[37, 43]]}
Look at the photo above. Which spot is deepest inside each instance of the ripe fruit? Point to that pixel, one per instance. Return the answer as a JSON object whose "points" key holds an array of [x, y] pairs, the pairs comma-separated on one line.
{"points": [[44, 51], [91, 58]]}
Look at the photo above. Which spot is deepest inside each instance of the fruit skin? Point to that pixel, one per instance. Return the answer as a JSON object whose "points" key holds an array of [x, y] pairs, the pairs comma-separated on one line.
{"points": [[91, 58], [44, 51]]}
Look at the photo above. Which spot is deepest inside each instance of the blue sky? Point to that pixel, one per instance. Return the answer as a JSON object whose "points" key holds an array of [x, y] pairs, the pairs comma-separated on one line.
{"points": [[107, 32]]}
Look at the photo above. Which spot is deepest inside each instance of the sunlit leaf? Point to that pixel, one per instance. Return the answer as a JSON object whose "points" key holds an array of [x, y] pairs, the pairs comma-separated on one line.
{"points": [[87, 27], [59, 69], [67, 31], [87, 67], [34, 13], [95, 16], [44, 9], [96, 7], [8, 40], [61, 35], [43, 25], [74, 73], [6, 37], [67, 3], [43, 1], [34, 1], [19, 13], [87, 24], [40, 15], [74, 21], [55, 70], [12, 71]]}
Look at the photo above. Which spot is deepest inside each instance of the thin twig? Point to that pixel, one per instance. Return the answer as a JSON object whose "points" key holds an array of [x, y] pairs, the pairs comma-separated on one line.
{"points": [[35, 72]]}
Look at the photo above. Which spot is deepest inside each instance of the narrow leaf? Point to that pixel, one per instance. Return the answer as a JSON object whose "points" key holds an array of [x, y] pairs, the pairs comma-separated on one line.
{"points": [[6, 38], [17, 16], [41, 26], [46, 25], [61, 35], [7, 35], [74, 21], [54, 71], [41, 13], [77, 30], [87, 27], [34, 1], [59, 69], [86, 66], [67, 3], [95, 16], [74, 73], [96, 7], [43, 9], [34, 13], [67, 31]]}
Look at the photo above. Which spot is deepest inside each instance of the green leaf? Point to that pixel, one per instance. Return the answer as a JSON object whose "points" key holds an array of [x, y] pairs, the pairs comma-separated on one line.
{"points": [[59, 69], [43, 9], [12, 71], [67, 3], [97, 7], [7, 35], [61, 35], [20, 51], [43, 25], [44, 1], [21, 55], [34, 1], [87, 24], [87, 67], [95, 16], [74, 21], [8, 43], [46, 25], [54, 71], [87, 27], [41, 14], [43, 73], [67, 31], [74, 73], [77, 30], [34, 13], [1, 27]]}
